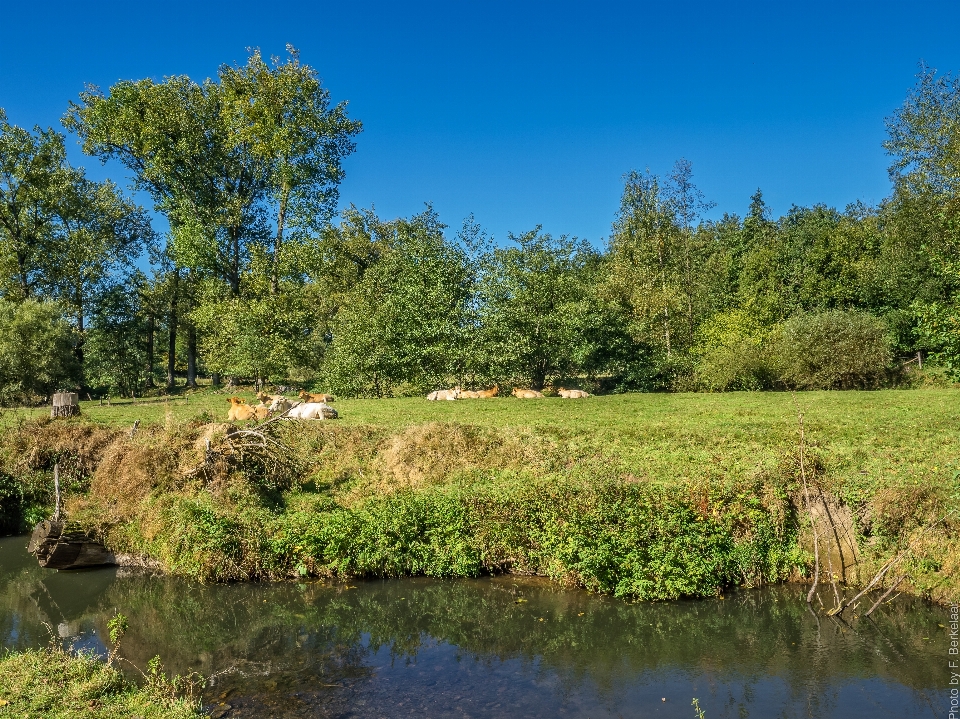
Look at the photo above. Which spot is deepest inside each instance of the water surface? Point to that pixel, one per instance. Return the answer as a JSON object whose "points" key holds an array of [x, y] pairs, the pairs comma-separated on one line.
{"points": [[493, 647]]}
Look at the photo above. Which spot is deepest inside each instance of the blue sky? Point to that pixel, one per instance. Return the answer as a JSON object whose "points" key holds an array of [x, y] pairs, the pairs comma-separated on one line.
{"points": [[530, 113]]}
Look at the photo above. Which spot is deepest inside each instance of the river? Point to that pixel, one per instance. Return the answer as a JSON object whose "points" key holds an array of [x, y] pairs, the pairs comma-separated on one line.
{"points": [[490, 647]]}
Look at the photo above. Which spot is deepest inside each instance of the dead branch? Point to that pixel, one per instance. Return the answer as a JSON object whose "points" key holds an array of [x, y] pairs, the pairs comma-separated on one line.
{"points": [[885, 595], [891, 562]]}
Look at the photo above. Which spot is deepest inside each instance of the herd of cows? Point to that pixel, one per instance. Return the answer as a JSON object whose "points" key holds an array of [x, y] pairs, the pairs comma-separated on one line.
{"points": [[457, 393], [309, 406], [317, 406]]}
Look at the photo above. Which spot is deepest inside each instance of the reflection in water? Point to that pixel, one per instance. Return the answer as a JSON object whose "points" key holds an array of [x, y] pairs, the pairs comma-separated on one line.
{"points": [[505, 646]]}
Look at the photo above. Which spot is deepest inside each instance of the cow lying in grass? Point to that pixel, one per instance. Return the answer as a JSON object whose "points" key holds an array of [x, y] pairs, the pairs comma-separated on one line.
{"points": [[240, 411], [572, 393], [450, 394], [318, 398], [480, 394], [526, 393], [312, 410], [281, 404]]}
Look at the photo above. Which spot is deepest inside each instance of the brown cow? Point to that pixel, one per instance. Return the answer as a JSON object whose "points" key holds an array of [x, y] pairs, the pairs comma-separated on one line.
{"points": [[309, 397], [239, 410]]}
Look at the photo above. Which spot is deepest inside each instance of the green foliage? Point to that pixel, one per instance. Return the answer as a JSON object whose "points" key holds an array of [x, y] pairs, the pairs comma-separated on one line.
{"points": [[36, 351], [831, 350], [938, 330], [730, 353], [32, 166], [25, 499], [535, 308], [923, 135], [115, 358], [255, 282], [404, 322], [262, 337], [633, 541]]}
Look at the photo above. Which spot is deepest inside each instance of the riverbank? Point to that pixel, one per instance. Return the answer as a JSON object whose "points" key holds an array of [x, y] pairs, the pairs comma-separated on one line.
{"points": [[55, 684], [642, 496]]}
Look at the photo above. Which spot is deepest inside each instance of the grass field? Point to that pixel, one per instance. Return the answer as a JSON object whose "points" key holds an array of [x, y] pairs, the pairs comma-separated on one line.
{"points": [[644, 495]]}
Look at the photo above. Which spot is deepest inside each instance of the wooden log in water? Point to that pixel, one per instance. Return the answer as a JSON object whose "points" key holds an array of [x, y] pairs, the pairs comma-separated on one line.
{"points": [[65, 404], [57, 546]]}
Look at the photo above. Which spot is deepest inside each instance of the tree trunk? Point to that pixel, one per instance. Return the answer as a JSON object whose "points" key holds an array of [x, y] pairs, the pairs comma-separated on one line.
{"points": [[215, 378], [65, 404], [151, 333], [688, 282], [172, 336], [666, 307], [539, 378], [235, 261], [78, 350], [281, 217], [191, 355], [22, 272]]}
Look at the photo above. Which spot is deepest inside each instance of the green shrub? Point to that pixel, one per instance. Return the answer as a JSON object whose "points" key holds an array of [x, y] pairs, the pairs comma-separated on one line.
{"points": [[831, 350], [938, 329], [634, 541], [730, 354]]}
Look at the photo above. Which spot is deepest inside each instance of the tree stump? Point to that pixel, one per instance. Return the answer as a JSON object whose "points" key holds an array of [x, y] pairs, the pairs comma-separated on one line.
{"points": [[58, 547], [65, 404]]}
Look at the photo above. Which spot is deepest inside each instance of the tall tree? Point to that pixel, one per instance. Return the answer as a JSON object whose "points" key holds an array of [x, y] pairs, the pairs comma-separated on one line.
{"points": [[532, 306], [924, 136], [403, 321], [281, 114], [646, 260], [32, 166], [175, 139], [689, 203], [99, 234]]}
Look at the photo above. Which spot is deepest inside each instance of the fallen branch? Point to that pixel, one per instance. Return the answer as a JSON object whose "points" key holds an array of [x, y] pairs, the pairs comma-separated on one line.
{"points": [[885, 595]]}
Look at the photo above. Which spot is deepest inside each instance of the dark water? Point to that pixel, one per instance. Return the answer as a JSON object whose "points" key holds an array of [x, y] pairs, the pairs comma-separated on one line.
{"points": [[490, 647]]}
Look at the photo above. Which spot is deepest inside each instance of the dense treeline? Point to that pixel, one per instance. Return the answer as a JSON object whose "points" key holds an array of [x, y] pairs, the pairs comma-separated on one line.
{"points": [[259, 279]]}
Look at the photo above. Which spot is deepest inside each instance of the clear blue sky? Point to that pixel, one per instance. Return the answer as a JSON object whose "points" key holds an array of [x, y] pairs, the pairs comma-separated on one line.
{"points": [[530, 113]]}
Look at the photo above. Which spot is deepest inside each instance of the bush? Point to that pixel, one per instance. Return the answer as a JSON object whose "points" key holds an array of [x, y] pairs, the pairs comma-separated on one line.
{"points": [[731, 355], [938, 329], [36, 352], [831, 350]]}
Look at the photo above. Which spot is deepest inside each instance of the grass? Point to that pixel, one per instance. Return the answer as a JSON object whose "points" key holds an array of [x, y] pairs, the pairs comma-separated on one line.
{"points": [[53, 684], [649, 496]]}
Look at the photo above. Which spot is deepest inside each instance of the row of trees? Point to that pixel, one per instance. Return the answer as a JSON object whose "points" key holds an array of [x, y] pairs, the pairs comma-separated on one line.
{"points": [[257, 278]]}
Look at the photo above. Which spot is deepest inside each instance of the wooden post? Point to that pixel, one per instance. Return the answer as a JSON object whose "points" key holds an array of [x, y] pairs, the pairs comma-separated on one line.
{"points": [[65, 404]]}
